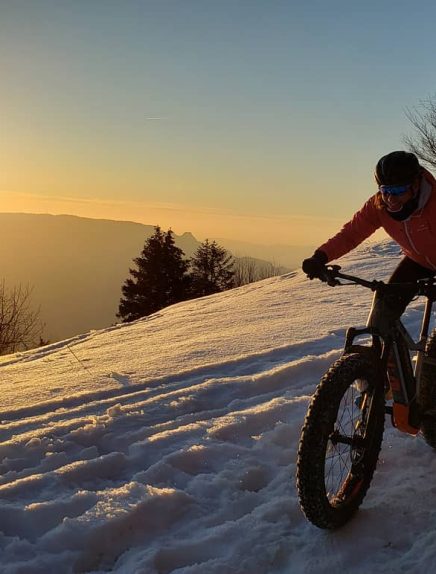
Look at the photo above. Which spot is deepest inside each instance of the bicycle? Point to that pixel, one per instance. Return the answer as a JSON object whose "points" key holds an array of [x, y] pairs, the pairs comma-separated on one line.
{"points": [[343, 430]]}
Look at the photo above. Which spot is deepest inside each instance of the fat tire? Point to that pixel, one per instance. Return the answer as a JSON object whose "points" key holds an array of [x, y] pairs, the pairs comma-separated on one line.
{"points": [[321, 509], [427, 393]]}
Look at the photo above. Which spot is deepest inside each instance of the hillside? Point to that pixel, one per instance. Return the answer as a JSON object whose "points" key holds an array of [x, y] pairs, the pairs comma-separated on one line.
{"points": [[168, 445]]}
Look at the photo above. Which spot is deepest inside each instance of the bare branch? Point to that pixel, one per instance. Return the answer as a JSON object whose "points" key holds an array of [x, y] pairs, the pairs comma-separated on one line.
{"points": [[423, 120], [20, 325], [248, 270]]}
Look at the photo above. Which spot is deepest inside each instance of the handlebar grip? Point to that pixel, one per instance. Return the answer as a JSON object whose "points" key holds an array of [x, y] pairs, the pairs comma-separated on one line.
{"points": [[329, 276]]}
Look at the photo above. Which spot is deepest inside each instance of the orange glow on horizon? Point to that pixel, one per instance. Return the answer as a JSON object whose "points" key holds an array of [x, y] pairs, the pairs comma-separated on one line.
{"points": [[201, 221]]}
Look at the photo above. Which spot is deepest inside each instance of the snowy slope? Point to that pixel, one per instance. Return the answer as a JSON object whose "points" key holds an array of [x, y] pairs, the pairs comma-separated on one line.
{"points": [[169, 445]]}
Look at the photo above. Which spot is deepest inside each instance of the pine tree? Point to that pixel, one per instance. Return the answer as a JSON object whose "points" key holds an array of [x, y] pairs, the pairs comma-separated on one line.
{"points": [[211, 269], [159, 280]]}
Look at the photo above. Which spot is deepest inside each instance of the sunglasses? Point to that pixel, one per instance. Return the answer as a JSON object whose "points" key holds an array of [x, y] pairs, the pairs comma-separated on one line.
{"points": [[393, 189]]}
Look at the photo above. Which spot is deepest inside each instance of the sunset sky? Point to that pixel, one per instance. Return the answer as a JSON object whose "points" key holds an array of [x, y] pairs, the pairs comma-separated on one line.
{"points": [[248, 119]]}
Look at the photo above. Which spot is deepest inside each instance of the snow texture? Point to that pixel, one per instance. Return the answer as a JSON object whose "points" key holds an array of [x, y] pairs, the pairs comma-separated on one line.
{"points": [[169, 445]]}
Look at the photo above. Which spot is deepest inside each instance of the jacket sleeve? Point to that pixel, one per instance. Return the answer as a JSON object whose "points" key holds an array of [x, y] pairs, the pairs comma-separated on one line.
{"points": [[362, 225]]}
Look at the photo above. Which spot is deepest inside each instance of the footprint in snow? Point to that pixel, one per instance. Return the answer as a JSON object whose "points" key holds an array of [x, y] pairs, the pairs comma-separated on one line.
{"points": [[120, 378]]}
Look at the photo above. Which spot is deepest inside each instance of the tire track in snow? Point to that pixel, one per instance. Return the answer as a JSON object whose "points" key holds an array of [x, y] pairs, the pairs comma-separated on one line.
{"points": [[172, 438], [246, 365], [209, 395]]}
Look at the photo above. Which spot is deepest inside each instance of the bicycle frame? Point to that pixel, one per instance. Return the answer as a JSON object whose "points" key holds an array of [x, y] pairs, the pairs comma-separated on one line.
{"points": [[393, 351]]}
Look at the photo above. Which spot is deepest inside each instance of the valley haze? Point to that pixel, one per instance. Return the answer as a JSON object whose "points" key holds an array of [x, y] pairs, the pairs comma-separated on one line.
{"points": [[78, 265]]}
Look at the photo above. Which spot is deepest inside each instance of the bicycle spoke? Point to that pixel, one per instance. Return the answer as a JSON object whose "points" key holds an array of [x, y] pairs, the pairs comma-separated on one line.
{"points": [[346, 445]]}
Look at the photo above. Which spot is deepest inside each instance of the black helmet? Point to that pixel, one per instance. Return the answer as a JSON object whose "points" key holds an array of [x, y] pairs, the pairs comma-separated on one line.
{"points": [[397, 168]]}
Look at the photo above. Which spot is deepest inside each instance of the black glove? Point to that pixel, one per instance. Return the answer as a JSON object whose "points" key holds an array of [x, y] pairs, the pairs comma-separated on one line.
{"points": [[315, 265]]}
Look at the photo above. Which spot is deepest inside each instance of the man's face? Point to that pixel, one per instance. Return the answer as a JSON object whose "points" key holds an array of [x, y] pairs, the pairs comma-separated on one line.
{"points": [[395, 202]]}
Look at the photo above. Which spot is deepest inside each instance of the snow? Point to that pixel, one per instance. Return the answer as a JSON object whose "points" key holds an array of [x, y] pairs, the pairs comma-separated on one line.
{"points": [[169, 445]]}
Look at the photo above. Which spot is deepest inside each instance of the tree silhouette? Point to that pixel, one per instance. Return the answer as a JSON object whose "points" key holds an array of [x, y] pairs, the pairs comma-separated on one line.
{"points": [[159, 279], [248, 270], [423, 119], [211, 269]]}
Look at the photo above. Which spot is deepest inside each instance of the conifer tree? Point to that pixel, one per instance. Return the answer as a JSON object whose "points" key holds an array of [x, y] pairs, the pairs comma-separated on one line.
{"points": [[160, 278], [211, 269]]}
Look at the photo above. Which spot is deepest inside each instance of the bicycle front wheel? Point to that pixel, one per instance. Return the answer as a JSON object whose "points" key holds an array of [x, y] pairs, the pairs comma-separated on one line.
{"points": [[341, 440]]}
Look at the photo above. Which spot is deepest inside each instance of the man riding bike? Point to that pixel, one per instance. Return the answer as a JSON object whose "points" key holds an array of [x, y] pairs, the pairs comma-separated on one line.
{"points": [[405, 207]]}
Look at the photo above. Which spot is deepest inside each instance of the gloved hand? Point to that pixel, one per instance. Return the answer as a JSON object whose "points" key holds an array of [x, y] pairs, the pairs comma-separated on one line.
{"points": [[315, 266]]}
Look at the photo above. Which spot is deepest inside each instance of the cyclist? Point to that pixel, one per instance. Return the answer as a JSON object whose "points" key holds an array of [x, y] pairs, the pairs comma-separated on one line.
{"points": [[405, 206]]}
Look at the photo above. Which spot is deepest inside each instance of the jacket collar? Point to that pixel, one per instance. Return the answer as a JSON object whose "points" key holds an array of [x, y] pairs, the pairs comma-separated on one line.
{"points": [[427, 184]]}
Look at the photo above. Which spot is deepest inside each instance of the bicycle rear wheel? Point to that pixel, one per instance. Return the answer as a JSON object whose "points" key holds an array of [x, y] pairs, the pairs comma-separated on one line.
{"points": [[341, 440], [427, 393]]}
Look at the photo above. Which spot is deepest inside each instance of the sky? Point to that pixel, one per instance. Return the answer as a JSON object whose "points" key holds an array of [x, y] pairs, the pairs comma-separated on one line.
{"points": [[252, 120], [128, 452]]}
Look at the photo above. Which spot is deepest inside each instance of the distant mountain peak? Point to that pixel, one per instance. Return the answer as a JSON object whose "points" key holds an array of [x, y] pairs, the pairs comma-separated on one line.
{"points": [[188, 235]]}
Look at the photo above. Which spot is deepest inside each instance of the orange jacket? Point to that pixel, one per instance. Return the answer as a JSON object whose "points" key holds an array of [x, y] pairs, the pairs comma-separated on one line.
{"points": [[415, 235]]}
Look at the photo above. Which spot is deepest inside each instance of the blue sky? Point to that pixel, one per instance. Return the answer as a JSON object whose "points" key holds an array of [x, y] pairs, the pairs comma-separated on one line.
{"points": [[217, 117]]}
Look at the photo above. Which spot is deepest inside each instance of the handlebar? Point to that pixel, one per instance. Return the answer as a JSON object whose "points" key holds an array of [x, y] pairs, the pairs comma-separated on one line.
{"points": [[424, 287]]}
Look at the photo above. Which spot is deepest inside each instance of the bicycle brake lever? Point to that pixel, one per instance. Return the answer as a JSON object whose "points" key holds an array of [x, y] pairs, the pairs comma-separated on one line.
{"points": [[326, 278], [329, 276]]}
